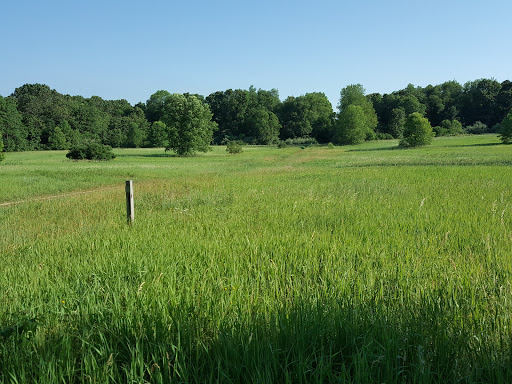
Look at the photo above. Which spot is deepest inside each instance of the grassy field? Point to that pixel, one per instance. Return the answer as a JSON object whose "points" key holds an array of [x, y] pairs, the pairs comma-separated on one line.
{"points": [[364, 264]]}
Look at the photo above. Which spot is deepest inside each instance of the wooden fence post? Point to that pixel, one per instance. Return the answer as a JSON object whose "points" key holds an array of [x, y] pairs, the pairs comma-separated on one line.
{"points": [[130, 214]]}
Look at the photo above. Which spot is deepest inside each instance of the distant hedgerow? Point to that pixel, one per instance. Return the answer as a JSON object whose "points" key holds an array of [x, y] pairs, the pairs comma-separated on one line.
{"points": [[91, 151]]}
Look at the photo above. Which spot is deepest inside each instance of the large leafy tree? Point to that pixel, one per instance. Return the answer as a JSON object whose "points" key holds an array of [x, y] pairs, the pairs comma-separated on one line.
{"points": [[155, 105], [293, 115], [321, 116], [479, 102], [506, 129], [351, 126], [307, 115], [417, 131], [396, 123], [11, 125], [239, 112], [136, 129], [42, 109], [355, 95], [503, 101], [156, 135], [57, 139], [262, 126], [189, 124], [229, 110]]}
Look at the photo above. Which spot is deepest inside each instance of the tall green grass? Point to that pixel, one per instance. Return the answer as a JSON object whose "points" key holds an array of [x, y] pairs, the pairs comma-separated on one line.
{"points": [[354, 264]]}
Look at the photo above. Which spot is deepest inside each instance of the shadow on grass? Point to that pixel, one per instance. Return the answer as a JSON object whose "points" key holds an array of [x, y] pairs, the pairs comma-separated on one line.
{"points": [[441, 146], [376, 149], [427, 163], [151, 155], [473, 145], [309, 342]]}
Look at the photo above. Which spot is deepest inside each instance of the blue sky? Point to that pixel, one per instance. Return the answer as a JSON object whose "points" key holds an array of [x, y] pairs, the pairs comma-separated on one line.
{"points": [[130, 49]]}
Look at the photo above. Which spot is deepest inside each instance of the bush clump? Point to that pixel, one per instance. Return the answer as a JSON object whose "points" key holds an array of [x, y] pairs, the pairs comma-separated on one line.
{"points": [[301, 141], [384, 136], [90, 151], [477, 128], [235, 146], [417, 131], [449, 128]]}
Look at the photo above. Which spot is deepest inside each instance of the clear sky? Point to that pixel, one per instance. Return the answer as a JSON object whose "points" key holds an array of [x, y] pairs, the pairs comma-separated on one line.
{"points": [[124, 49]]}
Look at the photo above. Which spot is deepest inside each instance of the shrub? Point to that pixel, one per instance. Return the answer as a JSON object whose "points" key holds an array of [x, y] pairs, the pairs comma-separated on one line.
{"points": [[506, 129], [384, 136], [301, 141], [477, 128], [371, 135], [449, 128], [90, 151], [234, 147], [282, 144], [440, 131], [417, 131], [330, 146]]}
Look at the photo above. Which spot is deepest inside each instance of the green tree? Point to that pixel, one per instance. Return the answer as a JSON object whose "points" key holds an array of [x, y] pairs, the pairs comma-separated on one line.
{"points": [[1, 148], [351, 126], [410, 103], [42, 109], [262, 126], [479, 102], [293, 117], [307, 115], [189, 124], [396, 123], [417, 131], [229, 110], [14, 132], [321, 116], [156, 135], [155, 105], [354, 95], [506, 129], [57, 139], [136, 128], [504, 100]]}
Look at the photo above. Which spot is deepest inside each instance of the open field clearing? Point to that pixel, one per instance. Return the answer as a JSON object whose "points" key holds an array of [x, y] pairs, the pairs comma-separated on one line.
{"points": [[355, 264]]}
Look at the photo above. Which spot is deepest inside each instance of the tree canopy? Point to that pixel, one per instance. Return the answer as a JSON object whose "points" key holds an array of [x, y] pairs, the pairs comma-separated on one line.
{"points": [[354, 95], [351, 126], [36, 117], [188, 123]]}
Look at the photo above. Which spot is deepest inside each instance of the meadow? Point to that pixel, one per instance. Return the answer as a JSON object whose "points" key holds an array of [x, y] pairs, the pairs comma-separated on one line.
{"points": [[357, 264]]}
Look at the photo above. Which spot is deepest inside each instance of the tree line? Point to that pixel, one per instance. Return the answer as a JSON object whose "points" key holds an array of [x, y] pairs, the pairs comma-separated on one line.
{"points": [[36, 117]]}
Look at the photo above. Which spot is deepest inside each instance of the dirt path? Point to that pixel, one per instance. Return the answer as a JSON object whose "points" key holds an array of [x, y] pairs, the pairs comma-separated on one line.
{"points": [[50, 197]]}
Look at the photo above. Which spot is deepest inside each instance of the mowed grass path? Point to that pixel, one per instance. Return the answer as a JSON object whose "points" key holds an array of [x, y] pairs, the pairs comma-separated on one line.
{"points": [[353, 264]]}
